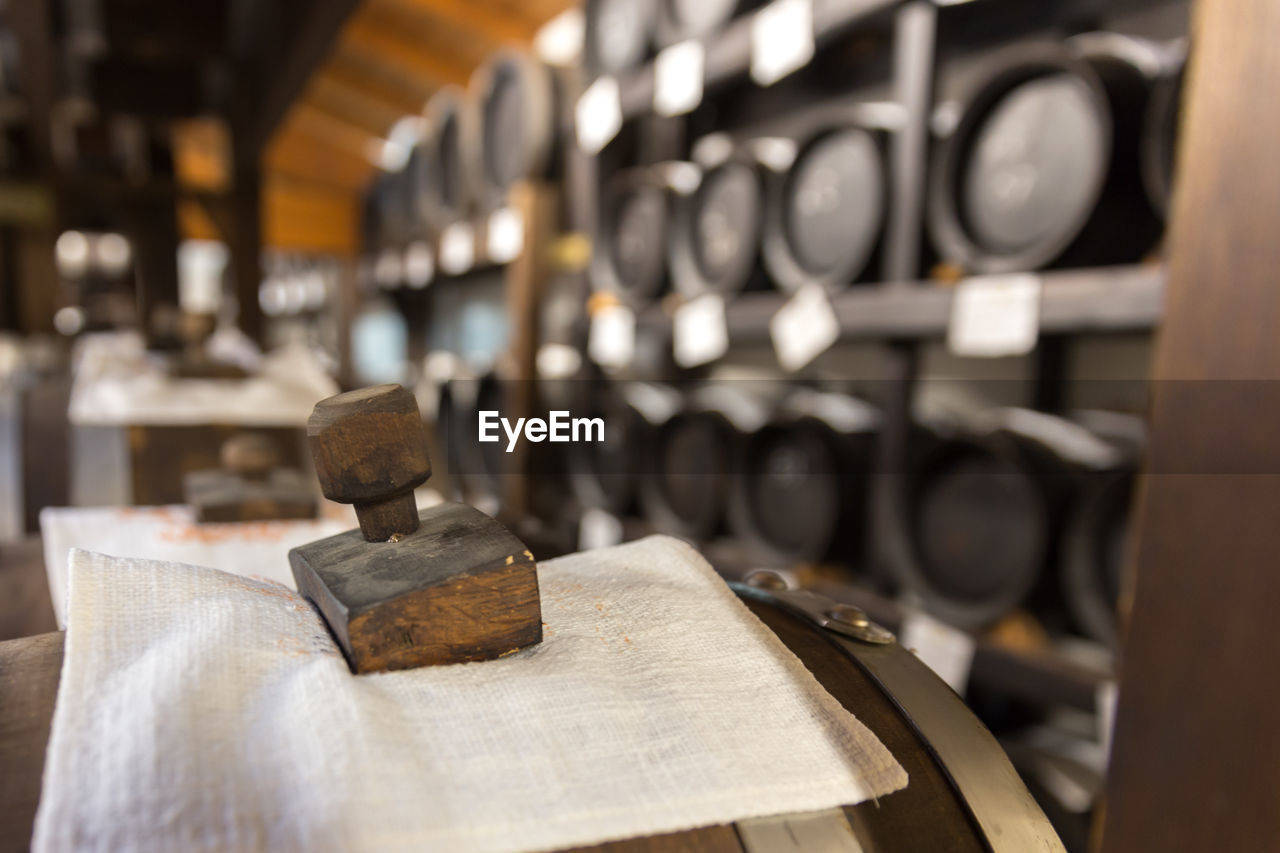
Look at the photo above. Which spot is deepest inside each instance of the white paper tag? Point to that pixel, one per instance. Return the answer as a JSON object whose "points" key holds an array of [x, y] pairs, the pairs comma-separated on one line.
{"points": [[804, 328], [419, 265], [677, 78], [699, 331], [457, 248], [505, 235], [994, 316], [1105, 706], [611, 341], [781, 40], [598, 529], [388, 269], [598, 115], [946, 650]]}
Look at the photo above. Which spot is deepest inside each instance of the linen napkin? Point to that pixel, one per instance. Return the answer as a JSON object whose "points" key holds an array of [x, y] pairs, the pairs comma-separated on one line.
{"points": [[171, 533], [204, 711]]}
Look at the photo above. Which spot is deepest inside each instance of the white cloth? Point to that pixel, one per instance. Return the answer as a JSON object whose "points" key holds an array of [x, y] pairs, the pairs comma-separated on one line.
{"points": [[169, 533], [202, 711], [113, 387]]}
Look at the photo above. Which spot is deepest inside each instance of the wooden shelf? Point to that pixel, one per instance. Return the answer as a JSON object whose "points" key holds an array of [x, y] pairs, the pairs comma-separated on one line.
{"points": [[1109, 299]]}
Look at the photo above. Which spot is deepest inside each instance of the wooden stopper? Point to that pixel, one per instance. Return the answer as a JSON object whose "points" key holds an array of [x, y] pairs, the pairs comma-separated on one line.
{"points": [[370, 450], [252, 455]]}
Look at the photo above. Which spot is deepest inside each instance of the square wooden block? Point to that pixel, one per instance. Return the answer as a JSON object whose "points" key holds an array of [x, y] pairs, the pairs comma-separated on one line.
{"points": [[459, 588]]}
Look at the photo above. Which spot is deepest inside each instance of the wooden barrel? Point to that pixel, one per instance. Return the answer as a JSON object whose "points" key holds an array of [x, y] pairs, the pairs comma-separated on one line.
{"points": [[962, 793], [685, 488], [629, 258], [1094, 544], [1160, 137], [443, 172], [607, 475], [714, 238], [517, 100], [975, 526], [799, 494], [1042, 166], [475, 467], [616, 34], [825, 215], [390, 213], [980, 529]]}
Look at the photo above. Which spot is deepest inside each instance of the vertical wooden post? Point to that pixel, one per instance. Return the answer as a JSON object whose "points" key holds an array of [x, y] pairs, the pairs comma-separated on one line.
{"points": [[1196, 757], [153, 231], [245, 243], [527, 278], [346, 303], [37, 278]]}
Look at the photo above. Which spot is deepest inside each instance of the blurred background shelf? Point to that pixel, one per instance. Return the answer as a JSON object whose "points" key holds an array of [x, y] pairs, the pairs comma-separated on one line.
{"points": [[727, 51], [1106, 299]]}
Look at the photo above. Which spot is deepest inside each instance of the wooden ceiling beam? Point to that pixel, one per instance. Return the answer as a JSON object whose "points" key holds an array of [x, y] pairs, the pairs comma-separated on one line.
{"points": [[294, 154], [472, 17], [308, 217], [363, 69], [365, 36], [340, 100], [277, 74], [393, 98], [340, 134]]}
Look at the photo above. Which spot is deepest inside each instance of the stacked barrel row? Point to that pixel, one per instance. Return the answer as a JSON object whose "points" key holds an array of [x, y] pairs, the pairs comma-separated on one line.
{"points": [[464, 153], [1014, 508], [1044, 154]]}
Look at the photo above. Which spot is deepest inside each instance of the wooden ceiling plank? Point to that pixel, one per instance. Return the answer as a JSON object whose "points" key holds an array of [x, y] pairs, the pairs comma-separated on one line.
{"points": [[376, 71], [364, 86], [297, 155], [307, 217], [339, 100], [473, 17], [318, 124], [367, 37]]}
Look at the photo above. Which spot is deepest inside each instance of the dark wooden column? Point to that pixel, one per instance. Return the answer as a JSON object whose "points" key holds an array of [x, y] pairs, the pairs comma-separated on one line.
{"points": [[527, 278], [152, 222], [245, 242], [1196, 757]]}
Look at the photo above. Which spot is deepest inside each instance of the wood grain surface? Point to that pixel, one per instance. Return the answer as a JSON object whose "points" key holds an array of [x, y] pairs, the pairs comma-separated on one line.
{"points": [[1196, 755], [459, 588], [25, 606], [29, 670]]}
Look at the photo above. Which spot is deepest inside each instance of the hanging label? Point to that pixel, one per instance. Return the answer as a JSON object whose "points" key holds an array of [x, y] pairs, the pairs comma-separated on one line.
{"points": [[781, 40], [611, 342], [387, 270], [419, 265], [598, 529], [804, 328], [457, 248], [699, 331], [598, 115], [677, 78], [994, 316], [504, 235], [946, 650]]}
